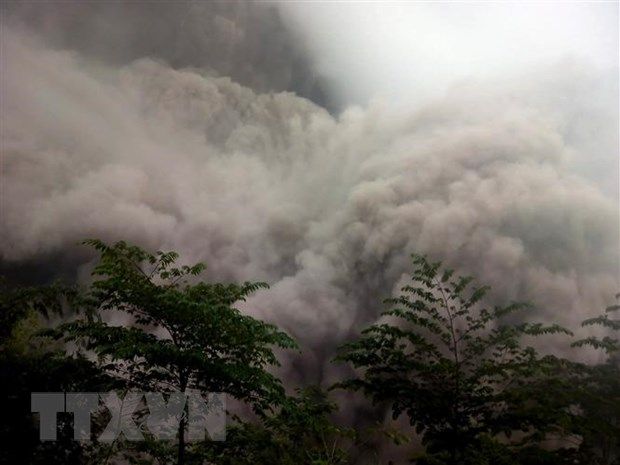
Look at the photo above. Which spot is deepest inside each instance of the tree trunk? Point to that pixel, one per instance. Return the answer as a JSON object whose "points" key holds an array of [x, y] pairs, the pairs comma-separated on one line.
{"points": [[182, 425], [181, 457]]}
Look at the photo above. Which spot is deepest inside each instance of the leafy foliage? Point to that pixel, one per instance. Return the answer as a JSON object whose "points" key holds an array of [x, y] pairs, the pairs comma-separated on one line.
{"points": [[18, 303], [598, 395], [300, 433], [176, 335], [29, 363], [456, 368], [461, 371], [611, 345]]}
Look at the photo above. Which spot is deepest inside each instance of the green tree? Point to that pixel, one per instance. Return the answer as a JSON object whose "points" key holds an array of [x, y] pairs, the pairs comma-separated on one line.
{"points": [[598, 394], [30, 362], [179, 332], [299, 433], [457, 369]]}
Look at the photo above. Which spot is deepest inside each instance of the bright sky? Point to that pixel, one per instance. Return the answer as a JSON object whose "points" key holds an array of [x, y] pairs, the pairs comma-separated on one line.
{"points": [[403, 50]]}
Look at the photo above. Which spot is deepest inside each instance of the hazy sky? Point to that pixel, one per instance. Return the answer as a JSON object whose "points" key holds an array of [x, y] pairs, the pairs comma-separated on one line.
{"points": [[409, 51]]}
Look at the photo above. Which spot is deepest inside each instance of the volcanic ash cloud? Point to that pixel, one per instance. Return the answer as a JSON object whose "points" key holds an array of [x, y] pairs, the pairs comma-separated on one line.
{"points": [[273, 187]]}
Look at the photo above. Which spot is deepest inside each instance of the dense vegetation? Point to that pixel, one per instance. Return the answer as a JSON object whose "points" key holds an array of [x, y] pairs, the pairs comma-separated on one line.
{"points": [[465, 375]]}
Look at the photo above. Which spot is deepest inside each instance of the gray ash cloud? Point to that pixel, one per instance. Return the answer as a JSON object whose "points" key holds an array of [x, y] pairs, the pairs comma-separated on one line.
{"points": [[248, 42]]}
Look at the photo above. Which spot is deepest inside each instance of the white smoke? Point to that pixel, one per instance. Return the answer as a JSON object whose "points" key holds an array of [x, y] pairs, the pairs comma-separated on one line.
{"points": [[412, 52]]}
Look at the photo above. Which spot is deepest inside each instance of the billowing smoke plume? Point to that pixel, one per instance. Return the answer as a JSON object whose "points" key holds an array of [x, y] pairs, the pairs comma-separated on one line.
{"points": [[242, 40], [150, 144]]}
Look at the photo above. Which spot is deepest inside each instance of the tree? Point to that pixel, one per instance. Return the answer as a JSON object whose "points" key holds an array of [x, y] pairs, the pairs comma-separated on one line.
{"points": [[598, 395], [18, 303], [299, 433], [179, 335], [30, 362], [456, 368]]}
